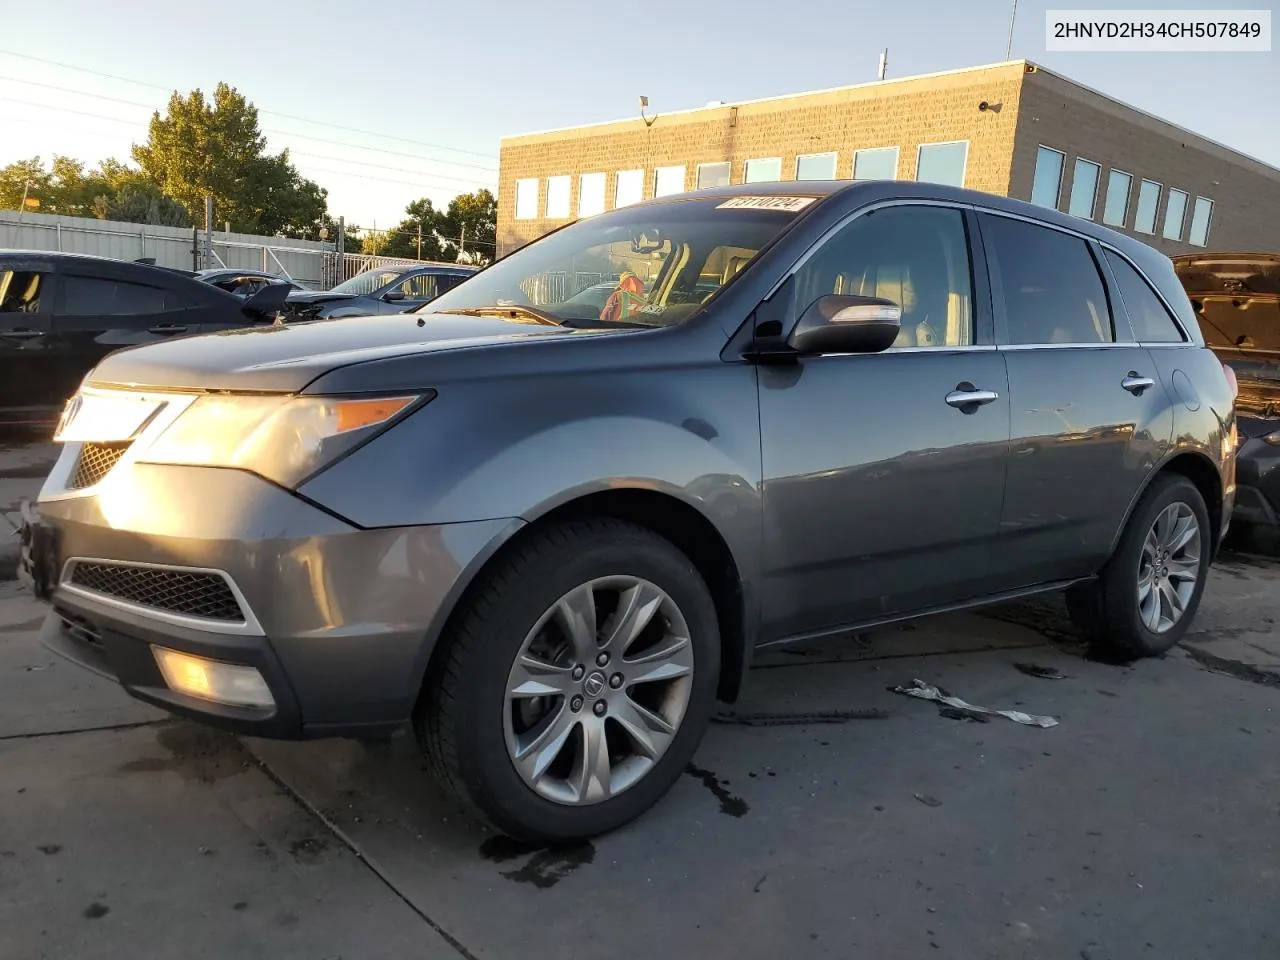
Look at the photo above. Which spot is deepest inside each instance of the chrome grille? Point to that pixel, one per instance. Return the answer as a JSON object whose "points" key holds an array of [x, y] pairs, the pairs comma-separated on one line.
{"points": [[191, 594], [95, 462]]}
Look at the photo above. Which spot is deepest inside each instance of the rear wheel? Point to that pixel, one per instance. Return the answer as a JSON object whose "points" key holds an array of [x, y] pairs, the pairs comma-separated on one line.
{"points": [[577, 683], [1146, 596]]}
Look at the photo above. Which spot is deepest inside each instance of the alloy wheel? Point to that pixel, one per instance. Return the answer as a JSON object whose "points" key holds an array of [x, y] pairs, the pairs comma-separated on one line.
{"points": [[1168, 567], [598, 690]]}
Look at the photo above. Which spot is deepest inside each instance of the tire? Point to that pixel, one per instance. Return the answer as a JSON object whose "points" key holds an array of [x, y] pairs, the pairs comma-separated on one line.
{"points": [[1108, 609], [472, 719]]}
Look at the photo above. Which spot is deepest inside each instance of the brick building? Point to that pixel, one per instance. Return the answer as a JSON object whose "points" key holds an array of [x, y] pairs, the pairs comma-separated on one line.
{"points": [[1013, 129]]}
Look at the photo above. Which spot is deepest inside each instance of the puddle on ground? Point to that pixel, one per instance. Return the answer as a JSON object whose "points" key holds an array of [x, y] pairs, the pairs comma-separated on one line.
{"points": [[733, 806], [1233, 668], [545, 867], [195, 752]]}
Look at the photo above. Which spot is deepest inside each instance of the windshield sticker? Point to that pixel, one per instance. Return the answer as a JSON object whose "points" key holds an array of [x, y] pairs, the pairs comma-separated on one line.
{"points": [[785, 204]]}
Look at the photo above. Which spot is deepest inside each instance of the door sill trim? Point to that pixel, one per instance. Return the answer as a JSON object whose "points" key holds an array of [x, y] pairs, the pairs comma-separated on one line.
{"points": [[859, 625]]}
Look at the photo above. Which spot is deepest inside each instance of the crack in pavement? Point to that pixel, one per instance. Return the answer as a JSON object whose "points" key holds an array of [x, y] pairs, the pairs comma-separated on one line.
{"points": [[360, 855], [104, 728]]}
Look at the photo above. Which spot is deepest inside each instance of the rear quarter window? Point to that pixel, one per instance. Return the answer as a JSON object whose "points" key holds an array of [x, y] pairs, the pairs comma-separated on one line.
{"points": [[1150, 318]]}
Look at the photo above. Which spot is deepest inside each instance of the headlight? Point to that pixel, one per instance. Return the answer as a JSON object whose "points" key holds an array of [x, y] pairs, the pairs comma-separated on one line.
{"points": [[285, 439]]}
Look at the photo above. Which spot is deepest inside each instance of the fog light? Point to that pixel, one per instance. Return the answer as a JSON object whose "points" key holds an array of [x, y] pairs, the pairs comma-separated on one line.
{"points": [[227, 683]]}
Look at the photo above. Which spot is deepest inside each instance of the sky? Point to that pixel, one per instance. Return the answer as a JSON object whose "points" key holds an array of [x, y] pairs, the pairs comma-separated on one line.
{"points": [[384, 103]]}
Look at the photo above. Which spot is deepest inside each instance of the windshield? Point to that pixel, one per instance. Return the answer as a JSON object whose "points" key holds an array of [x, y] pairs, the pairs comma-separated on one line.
{"points": [[367, 282], [653, 264]]}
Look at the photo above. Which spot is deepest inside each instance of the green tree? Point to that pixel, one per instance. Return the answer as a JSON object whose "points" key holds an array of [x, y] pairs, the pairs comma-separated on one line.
{"points": [[472, 219], [24, 177], [142, 202], [416, 237], [201, 148]]}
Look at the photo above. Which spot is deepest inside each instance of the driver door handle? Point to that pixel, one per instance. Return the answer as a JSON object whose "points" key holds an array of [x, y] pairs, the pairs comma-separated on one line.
{"points": [[22, 333], [966, 395], [1135, 384], [167, 328]]}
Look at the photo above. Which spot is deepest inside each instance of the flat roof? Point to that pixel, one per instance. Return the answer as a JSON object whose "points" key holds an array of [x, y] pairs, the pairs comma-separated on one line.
{"points": [[1021, 64]]}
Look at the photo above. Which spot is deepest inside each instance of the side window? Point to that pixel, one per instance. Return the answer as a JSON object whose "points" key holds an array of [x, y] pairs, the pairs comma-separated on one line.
{"points": [[421, 287], [1150, 318], [918, 257], [448, 281], [20, 291], [95, 297], [1050, 283]]}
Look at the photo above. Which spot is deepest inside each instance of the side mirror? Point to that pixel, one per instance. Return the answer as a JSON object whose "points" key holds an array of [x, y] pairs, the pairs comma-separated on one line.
{"points": [[393, 295], [839, 324]]}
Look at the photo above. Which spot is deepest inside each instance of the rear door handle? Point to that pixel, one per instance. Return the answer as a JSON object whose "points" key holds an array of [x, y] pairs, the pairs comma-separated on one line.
{"points": [[22, 333], [167, 328], [967, 397], [1135, 383]]}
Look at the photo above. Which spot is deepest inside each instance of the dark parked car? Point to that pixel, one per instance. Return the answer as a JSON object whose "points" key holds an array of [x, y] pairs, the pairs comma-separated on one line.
{"points": [[395, 289], [1237, 299], [551, 542], [243, 283], [61, 313]]}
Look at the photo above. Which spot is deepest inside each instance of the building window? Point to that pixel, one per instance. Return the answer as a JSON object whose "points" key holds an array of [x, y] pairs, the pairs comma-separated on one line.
{"points": [[1084, 188], [558, 189], [1200, 217], [526, 199], [713, 175], [1175, 211], [764, 170], [668, 180], [816, 166], [591, 194], [879, 163], [1115, 209], [942, 162], [1144, 221], [1046, 185], [629, 189]]}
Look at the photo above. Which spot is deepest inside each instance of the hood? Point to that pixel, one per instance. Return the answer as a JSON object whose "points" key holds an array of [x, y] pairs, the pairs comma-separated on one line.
{"points": [[1236, 297], [286, 357], [317, 296]]}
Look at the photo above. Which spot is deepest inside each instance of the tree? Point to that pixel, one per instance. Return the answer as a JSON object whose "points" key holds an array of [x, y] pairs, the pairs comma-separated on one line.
{"points": [[472, 219], [63, 189], [417, 237], [142, 203], [24, 178], [217, 149]]}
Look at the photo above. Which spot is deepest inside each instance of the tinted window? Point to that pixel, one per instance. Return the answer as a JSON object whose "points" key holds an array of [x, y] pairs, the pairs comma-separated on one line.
{"points": [[918, 257], [20, 291], [1151, 321], [942, 163], [1052, 290], [95, 297], [1046, 184], [421, 287]]}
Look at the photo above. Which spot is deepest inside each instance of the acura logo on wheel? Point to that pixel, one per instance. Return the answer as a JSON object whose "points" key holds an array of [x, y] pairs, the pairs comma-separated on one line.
{"points": [[594, 685]]}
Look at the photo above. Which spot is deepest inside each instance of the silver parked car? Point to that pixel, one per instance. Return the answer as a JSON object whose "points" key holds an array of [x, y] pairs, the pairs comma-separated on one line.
{"points": [[549, 531]]}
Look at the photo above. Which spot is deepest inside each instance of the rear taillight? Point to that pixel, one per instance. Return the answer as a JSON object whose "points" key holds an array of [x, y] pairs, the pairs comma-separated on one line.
{"points": [[1231, 381]]}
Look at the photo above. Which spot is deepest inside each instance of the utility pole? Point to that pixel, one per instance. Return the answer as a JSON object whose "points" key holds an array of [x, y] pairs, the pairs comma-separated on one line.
{"points": [[462, 244], [419, 239], [342, 249], [22, 207], [208, 232]]}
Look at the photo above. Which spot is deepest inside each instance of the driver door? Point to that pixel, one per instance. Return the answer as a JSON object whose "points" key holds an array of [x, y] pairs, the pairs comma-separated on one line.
{"points": [[882, 486]]}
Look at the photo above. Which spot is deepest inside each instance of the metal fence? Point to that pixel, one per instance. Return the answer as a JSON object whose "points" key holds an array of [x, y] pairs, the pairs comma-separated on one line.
{"points": [[353, 263], [550, 288]]}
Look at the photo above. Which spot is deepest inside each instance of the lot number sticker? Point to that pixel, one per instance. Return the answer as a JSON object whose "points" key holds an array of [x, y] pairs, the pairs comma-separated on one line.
{"points": [[785, 204]]}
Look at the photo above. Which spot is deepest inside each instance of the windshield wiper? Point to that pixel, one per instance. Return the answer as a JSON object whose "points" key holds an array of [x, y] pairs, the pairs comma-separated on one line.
{"points": [[513, 311]]}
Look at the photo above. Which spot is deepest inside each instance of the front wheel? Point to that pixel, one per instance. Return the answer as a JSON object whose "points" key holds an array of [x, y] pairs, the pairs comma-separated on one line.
{"points": [[1146, 596], [577, 683]]}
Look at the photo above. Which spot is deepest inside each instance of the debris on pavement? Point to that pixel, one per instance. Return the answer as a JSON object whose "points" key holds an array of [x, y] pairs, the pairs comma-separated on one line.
{"points": [[954, 713], [1035, 670], [927, 800], [923, 691]]}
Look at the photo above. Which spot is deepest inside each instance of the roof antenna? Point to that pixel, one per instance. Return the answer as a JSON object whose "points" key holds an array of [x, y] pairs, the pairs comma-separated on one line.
{"points": [[884, 63]]}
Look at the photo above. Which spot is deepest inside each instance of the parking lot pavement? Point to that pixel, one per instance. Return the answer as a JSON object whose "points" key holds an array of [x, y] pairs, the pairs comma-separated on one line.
{"points": [[824, 816]]}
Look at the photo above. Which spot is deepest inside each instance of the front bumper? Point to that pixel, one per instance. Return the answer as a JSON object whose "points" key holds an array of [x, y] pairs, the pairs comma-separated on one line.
{"points": [[1258, 483], [338, 620]]}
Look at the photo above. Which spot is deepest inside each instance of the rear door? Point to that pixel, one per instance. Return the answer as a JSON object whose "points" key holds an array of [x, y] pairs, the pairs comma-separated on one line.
{"points": [[1090, 415], [97, 313], [28, 364]]}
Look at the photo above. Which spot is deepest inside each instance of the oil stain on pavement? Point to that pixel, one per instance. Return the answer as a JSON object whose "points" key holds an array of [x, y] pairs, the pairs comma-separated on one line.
{"points": [[733, 806], [545, 867]]}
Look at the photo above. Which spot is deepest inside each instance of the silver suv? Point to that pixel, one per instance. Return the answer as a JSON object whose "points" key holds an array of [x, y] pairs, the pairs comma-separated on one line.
{"points": [[549, 531]]}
